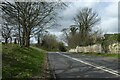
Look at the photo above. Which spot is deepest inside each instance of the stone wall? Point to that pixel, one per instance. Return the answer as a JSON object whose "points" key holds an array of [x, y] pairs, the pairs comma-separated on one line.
{"points": [[73, 50], [93, 48], [114, 48]]}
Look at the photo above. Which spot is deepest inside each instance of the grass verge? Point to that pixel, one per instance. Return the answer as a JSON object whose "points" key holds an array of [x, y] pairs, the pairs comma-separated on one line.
{"points": [[102, 54], [22, 62]]}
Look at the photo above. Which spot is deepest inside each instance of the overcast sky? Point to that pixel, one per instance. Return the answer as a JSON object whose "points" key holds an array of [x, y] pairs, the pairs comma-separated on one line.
{"points": [[108, 11]]}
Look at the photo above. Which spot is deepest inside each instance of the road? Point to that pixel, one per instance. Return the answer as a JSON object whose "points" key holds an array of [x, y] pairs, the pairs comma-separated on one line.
{"points": [[73, 65]]}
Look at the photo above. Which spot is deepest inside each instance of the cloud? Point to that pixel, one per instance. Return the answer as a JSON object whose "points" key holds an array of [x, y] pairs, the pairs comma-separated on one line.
{"points": [[88, 0], [56, 33], [107, 10], [71, 11], [110, 25], [109, 18], [111, 10]]}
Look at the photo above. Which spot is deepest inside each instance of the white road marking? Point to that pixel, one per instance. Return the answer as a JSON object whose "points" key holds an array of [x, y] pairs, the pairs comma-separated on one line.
{"points": [[95, 66]]}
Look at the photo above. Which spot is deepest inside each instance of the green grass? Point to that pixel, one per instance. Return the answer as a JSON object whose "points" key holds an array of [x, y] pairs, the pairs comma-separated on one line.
{"points": [[0, 48], [50, 50], [22, 62], [103, 54], [0, 60]]}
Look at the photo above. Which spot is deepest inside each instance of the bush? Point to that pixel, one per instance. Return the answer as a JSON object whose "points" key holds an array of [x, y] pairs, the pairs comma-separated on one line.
{"points": [[62, 47]]}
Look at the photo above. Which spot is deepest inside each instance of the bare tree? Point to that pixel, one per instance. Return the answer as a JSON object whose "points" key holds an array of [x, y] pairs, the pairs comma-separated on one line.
{"points": [[71, 36], [65, 36], [86, 19], [30, 16], [73, 29], [6, 32]]}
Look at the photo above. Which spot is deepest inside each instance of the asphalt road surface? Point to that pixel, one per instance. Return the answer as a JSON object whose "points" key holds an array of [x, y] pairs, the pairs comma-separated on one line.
{"points": [[67, 65]]}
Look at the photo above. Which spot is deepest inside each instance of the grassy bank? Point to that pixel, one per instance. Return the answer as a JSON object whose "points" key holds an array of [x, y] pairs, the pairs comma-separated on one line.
{"points": [[0, 60], [22, 62], [0, 48], [103, 54]]}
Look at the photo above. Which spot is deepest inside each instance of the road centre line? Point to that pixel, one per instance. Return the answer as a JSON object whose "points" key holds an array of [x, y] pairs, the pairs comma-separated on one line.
{"points": [[95, 66]]}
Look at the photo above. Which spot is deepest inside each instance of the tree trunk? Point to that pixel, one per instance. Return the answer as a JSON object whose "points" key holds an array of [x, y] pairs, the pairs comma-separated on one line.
{"points": [[20, 42], [38, 39], [15, 41], [23, 39], [6, 40], [27, 40]]}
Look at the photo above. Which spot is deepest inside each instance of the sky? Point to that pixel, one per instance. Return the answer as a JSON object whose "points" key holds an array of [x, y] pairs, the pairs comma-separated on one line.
{"points": [[106, 9]]}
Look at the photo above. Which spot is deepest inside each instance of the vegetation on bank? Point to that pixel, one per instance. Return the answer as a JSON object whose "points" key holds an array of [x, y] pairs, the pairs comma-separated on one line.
{"points": [[22, 62], [0, 48], [102, 54], [108, 40]]}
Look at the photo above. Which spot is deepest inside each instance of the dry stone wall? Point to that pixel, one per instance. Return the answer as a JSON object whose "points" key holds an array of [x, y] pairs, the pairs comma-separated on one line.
{"points": [[93, 48], [113, 48]]}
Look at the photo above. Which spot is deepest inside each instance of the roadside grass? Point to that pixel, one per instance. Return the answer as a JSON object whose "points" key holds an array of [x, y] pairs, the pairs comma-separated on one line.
{"points": [[0, 60], [0, 48], [22, 62], [50, 50], [102, 54]]}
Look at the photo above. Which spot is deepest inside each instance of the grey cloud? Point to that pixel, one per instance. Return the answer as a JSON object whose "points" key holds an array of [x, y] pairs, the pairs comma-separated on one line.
{"points": [[108, 15]]}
